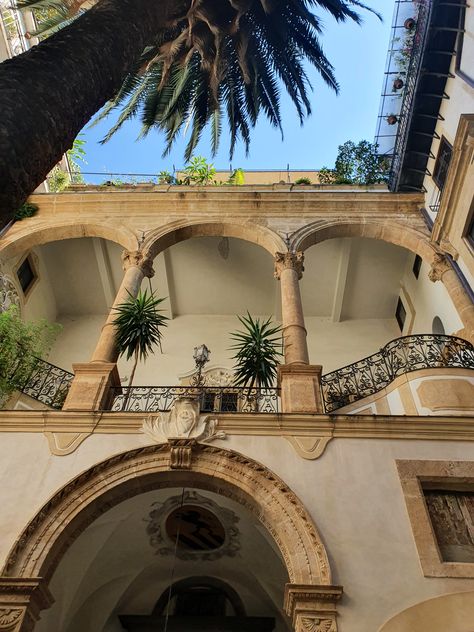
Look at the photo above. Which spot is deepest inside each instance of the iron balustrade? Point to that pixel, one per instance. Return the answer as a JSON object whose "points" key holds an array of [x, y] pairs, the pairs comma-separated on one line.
{"points": [[402, 355], [213, 399], [48, 384]]}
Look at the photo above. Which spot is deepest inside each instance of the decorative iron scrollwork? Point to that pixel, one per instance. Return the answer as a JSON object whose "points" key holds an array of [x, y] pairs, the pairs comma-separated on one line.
{"points": [[48, 384], [402, 355]]}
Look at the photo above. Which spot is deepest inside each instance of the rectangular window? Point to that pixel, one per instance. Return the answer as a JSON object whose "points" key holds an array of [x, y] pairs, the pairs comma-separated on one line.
{"points": [[400, 314], [452, 517], [417, 266], [208, 402], [26, 275], [229, 403], [443, 159]]}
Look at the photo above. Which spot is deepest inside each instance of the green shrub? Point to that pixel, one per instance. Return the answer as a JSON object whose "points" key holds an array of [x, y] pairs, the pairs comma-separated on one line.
{"points": [[28, 209], [303, 181]]}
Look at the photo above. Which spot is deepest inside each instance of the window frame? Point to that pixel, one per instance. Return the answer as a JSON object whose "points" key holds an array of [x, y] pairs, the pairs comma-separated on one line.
{"points": [[414, 475], [444, 142], [34, 269]]}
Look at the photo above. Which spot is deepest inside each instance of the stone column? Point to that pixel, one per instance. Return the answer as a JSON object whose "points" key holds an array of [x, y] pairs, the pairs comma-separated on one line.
{"points": [[299, 381], [289, 270], [312, 608], [136, 265], [21, 601], [442, 270], [91, 386]]}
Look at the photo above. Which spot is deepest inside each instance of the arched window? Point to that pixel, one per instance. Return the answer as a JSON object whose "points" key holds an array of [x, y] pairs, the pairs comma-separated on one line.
{"points": [[437, 326]]}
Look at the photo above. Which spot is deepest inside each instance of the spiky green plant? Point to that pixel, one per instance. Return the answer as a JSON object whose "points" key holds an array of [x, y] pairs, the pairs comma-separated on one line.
{"points": [[258, 348], [138, 328]]}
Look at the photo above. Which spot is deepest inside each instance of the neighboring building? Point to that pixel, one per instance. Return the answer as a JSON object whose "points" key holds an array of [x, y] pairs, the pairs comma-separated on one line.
{"points": [[335, 502]]}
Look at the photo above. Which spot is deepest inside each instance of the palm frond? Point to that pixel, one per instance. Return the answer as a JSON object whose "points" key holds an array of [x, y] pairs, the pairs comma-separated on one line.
{"points": [[258, 348], [138, 325]]}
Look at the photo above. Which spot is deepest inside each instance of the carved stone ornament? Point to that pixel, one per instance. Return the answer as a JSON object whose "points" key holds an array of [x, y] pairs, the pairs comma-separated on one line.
{"points": [[9, 617], [289, 260], [310, 624], [8, 293], [183, 421], [140, 259], [163, 545], [439, 266]]}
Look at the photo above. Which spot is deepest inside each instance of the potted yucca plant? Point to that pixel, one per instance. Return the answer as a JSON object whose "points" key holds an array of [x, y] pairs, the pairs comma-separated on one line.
{"points": [[138, 329], [257, 350]]}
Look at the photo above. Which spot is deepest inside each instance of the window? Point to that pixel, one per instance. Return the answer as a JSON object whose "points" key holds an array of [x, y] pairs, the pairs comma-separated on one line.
{"points": [[26, 275], [452, 517], [439, 497], [400, 314], [441, 167], [470, 232], [417, 266]]}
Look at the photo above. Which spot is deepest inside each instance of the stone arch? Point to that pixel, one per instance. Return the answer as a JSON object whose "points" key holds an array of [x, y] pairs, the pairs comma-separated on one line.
{"points": [[64, 517], [15, 243], [166, 236], [412, 239]]}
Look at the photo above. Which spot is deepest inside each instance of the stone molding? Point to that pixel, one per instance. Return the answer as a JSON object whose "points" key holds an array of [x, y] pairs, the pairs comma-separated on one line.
{"points": [[289, 261], [450, 473], [312, 608], [21, 600], [439, 267], [139, 259], [60, 521]]}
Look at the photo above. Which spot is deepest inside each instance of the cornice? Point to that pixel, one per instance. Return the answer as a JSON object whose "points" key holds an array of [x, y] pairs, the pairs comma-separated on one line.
{"points": [[442, 428]]}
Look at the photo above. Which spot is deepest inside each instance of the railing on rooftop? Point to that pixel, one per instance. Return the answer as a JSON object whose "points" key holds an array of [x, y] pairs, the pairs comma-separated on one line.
{"points": [[402, 355], [48, 384], [213, 399], [13, 27], [403, 64]]}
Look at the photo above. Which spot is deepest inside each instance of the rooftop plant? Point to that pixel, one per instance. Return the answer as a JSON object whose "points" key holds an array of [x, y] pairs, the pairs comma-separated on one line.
{"points": [[356, 164]]}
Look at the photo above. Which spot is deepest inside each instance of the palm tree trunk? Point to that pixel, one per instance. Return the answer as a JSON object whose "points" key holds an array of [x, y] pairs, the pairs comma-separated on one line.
{"points": [[50, 92]]}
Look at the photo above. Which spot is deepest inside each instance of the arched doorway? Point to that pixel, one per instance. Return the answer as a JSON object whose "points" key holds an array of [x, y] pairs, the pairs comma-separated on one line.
{"points": [[228, 481]]}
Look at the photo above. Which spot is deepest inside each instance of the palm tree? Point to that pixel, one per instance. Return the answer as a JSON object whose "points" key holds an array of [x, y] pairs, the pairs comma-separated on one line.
{"points": [[257, 351], [138, 329], [195, 57]]}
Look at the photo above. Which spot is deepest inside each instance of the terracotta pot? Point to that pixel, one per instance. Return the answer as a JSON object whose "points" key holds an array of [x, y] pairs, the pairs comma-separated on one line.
{"points": [[392, 119], [409, 24], [398, 84]]}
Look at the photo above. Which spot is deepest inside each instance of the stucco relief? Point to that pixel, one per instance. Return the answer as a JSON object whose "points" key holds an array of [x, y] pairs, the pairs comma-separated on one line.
{"points": [[183, 421], [8, 293], [163, 545], [9, 617], [309, 624]]}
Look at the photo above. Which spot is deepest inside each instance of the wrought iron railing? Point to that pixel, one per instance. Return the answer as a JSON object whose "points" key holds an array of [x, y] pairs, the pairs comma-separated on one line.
{"points": [[48, 384], [224, 399], [402, 355], [13, 27]]}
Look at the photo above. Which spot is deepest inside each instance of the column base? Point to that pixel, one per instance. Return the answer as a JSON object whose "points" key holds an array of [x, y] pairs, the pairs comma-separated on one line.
{"points": [[91, 386], [300, 386], [312, 608]]}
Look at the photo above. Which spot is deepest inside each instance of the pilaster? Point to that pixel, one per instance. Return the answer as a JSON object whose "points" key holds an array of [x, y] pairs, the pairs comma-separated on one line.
{"points": [[21, 601], [312, 608]]}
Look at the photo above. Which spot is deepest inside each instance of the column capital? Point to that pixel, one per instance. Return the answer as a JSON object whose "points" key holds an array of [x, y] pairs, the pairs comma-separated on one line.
{"points": [[289, 260], [439, 266], [312, 608], [21, 601], [138, 259]]}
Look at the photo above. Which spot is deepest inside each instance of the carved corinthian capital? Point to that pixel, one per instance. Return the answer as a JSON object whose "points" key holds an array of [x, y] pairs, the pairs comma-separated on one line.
{"points": [[139, 259], [439, 266], [289, 260]]}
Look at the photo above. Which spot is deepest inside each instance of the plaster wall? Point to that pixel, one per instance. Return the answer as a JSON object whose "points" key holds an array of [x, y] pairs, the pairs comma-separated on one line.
{"points": [[331, 344], [461, 101], [424, 300], [352, 492], [40, 301]]}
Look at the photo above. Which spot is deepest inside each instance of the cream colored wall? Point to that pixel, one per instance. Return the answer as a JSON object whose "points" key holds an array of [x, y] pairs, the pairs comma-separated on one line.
{"points": [[40, 301], [461, 101], [352, 492], [424, 300], [331, 344]]}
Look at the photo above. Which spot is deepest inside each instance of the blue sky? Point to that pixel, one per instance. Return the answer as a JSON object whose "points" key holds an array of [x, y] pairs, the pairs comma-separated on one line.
{"points": [[358, 54]]}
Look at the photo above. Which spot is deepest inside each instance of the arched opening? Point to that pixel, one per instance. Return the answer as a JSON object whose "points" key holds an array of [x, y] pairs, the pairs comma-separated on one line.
{"points": [[360, 292], [101, 542], [437, 326]]}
